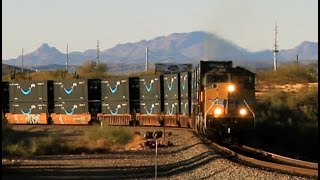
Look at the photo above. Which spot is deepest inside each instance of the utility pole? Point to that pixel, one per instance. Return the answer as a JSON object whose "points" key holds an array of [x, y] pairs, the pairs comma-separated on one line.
{"points": [[22, 61], [146, 68], [98, 53], [275, 51], [297, 62], [67, 58]]}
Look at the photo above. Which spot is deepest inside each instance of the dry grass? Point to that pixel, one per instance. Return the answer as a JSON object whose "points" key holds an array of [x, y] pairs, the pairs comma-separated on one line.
{"points": [[27, 141], [136, 143]]}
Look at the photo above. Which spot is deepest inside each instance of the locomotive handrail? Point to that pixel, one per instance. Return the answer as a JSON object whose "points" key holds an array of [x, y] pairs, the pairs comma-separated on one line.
{"points": [[211, 106], [254, 116], [205, 115]]}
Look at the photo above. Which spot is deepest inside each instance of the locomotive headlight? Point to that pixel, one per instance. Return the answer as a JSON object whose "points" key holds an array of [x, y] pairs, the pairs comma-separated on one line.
{"points": [[243, 111], [231, 88], [218, 111]]}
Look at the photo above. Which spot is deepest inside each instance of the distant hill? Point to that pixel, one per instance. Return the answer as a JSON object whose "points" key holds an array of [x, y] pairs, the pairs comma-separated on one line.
{"points": [[175, 48]]}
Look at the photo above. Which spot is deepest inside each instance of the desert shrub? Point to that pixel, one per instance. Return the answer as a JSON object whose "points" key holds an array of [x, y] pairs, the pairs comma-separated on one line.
{"points": [[289, 120], [15, 149], [111, 135], [90, 70], [14, 145], [52, 144], [289, 73]]}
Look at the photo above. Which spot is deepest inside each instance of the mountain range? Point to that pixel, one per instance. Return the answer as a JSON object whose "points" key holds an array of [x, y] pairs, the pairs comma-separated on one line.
{"points": [[175, 48]]}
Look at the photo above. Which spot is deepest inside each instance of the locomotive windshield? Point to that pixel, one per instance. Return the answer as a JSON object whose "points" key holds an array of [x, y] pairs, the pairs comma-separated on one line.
{"points": [[217, 78]]}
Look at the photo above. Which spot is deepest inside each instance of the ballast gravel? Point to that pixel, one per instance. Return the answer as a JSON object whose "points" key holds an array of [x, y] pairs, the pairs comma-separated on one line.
{"points": [[188, 158]]}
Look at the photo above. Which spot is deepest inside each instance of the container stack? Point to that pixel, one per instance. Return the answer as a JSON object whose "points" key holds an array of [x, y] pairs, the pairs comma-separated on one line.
{"points": [[71, 103], [185, 98], [115, 96], [171, 99], [30, 102], [151, 104], [115, 101]]}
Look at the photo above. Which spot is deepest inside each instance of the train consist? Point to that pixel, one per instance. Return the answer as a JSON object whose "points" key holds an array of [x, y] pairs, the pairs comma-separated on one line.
{"points": [[215, 99]]}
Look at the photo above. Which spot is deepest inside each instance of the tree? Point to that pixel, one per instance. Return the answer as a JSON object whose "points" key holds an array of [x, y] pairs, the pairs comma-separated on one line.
{"points": [[90, 69]]}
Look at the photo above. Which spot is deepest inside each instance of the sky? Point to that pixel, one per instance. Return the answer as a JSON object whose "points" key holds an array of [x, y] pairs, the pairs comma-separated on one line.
{"points": [[249, 24]]}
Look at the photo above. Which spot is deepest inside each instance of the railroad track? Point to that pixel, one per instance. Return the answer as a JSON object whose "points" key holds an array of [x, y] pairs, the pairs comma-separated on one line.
{"points": [[266, 160]]}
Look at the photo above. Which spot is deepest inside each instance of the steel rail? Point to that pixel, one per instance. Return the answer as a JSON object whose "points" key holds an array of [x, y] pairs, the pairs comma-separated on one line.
{"points": [[291, 169], [281, 159]]}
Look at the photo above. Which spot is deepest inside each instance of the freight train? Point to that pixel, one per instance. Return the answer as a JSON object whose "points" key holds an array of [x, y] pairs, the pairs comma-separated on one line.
{"points": [[214, 98]]}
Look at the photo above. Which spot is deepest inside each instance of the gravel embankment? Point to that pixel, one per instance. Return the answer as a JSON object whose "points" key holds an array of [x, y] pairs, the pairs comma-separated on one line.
{"points": [[189, 158]]}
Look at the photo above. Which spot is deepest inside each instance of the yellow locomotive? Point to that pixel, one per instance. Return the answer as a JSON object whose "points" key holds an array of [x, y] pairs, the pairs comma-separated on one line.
{"points": [[223, 99]]}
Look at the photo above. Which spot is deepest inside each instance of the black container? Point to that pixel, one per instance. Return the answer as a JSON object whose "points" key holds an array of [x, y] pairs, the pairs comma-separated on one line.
{"points": [[185, 107], [94, 108], [35, 91], [94, 90], [71, 107], [171, 86], [115, 89], [134, 106], [151, 87], [150, 107], [206, 66], [134, 94], [28, 107], [171, 107], [185, 85], [116, 107], [134, 88], [5, 96]]}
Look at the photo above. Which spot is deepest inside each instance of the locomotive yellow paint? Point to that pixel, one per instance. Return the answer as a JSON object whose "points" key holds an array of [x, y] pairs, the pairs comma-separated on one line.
{"points": [[212, 93], [219, 92]]}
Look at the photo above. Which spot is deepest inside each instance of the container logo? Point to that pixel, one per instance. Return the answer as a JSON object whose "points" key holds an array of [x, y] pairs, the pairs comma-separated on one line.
{"points": [[72, 110], [150, 85], [184, 109], [170, 85], [113, 90], [70, 90], [29, 111], [116, 111], [184, 82], [149, 112], [28, 91], [170, 111]]}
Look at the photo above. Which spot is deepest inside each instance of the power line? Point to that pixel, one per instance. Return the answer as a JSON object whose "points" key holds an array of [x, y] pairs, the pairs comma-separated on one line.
{"points": [[275, 51]]}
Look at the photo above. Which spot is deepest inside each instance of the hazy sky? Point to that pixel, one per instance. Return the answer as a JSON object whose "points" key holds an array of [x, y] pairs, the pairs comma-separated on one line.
{"points": [[80, 23]]}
